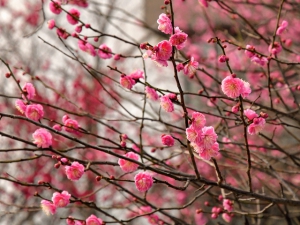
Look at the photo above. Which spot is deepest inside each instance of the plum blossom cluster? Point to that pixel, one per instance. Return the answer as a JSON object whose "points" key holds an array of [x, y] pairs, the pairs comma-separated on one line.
{"points": [[257, 59], [32, 111], [256, 122], [233, 87], [162, 52], [128, 81], [59, 200], [41, 137], [227, 206], [143, 180], [73, 16], [178, 39], [203, 138]]}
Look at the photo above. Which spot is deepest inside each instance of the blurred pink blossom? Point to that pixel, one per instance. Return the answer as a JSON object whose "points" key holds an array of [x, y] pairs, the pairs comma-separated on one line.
{"points": [[128, 166]]}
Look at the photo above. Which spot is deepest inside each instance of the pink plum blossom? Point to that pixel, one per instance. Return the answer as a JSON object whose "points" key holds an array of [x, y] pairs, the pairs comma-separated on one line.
{"points": [[55, 7], [179, 67], [167, 140], [250, 114], [228, 205], [48, 207], [29, 91], [197, 148], [178, 39], [160, 53], [65, 118], [209, 152], [104, 52], [73, 16], [51, 24], [93, 220], [208, 137], [42, 138], [75, 171], [21, 107], [61, 199], [151, 93], [128, 166], [163, 50], [126, 81], [282, 27], [193, 134], [166, 104], [198, 120], [223, 58], [164, 24], [143, 181], [191, 67], [232, 87], [71, 126], [257, 126], [78, 29], [34, 112]]}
